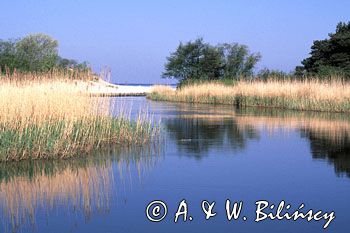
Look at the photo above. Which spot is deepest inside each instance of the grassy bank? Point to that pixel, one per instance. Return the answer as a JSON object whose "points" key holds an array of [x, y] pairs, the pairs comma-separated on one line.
{"points": [[314, 95], [54, 118]]}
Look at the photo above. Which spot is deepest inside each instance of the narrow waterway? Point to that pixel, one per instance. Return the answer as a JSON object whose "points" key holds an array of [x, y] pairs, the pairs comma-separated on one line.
{"points": [[211, 153]]}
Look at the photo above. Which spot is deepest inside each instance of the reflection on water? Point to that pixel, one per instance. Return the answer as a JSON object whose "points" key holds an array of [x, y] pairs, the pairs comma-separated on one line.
{"points": [[196, 129], [328, 134], [197, 135], [335, 150], [263, 166], [84, 185]]}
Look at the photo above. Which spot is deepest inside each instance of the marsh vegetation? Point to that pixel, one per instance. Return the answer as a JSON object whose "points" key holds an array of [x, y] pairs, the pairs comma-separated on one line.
{"points": [[51, 116], [224, 74], [315, 95]]}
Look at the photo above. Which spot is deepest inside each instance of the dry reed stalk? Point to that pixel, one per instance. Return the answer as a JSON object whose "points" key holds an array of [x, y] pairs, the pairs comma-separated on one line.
{"points": [[313, 95], [53, 118]]}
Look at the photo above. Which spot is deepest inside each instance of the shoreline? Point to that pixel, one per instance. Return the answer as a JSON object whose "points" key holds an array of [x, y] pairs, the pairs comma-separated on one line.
{"points": [[106, 89], [302, 96]]}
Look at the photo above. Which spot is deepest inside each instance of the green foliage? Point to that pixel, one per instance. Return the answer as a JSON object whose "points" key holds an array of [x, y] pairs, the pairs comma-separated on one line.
{"points": [[267, 74], [8, 57], [37, 52], [330, 56], [237, 60], [70, 63], [34, 53], [200, 60]]}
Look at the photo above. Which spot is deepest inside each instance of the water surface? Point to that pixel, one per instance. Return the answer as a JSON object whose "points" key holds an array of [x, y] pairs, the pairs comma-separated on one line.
{"points": [[209, 153]]}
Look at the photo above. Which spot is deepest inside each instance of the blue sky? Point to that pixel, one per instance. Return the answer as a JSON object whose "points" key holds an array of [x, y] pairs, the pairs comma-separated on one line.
{"points": [[133, 37]]}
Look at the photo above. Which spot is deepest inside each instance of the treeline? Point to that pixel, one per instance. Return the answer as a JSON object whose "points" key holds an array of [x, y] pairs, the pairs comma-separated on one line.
{"points": [[199, 61], [330, 56], [34, 53], [193, 61]]}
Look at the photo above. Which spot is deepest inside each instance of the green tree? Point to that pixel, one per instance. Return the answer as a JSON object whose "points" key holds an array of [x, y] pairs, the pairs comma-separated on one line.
{"points": [[266, 74], [37, 52], [8, 58], [329, 56], [185, 62], [211, 63], [66, 63], [238, 62], [200, 60], [34, 53]]}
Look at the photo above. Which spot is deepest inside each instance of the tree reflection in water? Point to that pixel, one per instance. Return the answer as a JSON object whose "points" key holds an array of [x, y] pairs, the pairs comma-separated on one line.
{"points": [[198, 128], [197, 135], [335, 151], [328, 133]]}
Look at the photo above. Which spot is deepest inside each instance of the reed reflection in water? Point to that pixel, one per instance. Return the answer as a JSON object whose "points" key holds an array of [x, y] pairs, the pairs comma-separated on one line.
{"points": [[327, 133], [83, 186], [196, 129]]}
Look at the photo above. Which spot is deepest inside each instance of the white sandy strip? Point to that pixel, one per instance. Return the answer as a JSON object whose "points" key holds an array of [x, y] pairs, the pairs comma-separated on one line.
{"points": [[101, 87]]}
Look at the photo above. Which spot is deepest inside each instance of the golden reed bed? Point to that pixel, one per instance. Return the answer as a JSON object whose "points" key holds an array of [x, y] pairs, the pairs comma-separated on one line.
{"points": [[53, 117], [333, 96]]}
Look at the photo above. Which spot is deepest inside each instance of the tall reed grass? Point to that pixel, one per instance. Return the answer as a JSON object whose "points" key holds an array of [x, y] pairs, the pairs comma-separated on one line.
{"points": [[53, 117], [315, 95]]}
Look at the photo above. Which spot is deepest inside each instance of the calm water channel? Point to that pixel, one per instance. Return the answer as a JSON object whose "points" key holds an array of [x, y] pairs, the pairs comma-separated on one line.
{"points": [[211, 153]]}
